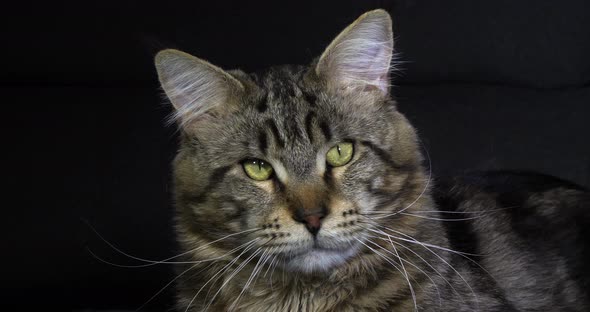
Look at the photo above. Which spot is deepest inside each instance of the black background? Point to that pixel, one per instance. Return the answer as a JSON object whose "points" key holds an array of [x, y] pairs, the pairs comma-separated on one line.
{"points": [[488, 84]]}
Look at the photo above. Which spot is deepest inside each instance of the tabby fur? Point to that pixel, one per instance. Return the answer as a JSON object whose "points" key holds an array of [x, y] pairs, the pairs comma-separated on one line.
{"points": [[389, 239]]}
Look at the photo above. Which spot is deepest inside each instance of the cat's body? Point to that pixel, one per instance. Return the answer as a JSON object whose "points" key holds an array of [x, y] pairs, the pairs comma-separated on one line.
{"points": [[530, 232], [303, 189]]}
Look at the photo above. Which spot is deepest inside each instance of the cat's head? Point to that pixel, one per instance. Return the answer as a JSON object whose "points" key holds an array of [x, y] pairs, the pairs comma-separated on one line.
{"points": [[304, 162]]}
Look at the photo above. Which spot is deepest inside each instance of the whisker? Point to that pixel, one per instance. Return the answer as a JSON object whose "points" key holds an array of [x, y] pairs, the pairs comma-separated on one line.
{"points": [[172, 281], [167, 262], [368, 215], [438, 219], [434, 253], [464, 255], [465, 212], [274, 265], [261, 261], [283, 271], [406, 273], [387, 259], [224, 268], [429, 177], [236, 271], [426, 186], [410, 263], [390, 261], [411, 240], [371, 213], [155, 262], [270, 264], [423, 260]]}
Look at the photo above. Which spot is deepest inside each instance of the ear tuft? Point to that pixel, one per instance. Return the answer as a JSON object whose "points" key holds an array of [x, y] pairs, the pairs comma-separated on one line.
{"points": [[194, 86], [360, 56]]}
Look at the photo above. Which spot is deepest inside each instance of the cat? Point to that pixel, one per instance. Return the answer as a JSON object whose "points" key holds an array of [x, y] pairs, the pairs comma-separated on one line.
{"points": [[303, 188]]}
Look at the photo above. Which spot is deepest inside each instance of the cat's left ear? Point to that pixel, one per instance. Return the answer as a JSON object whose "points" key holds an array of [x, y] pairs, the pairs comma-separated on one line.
{"points": [[360, 56]]}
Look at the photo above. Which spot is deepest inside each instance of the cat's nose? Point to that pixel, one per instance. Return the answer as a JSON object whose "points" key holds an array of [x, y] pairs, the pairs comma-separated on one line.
{"points": [[312, 221], [313, 224]]}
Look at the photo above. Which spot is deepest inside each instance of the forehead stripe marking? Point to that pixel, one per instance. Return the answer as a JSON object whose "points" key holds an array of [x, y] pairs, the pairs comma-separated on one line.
{"points": [[326, 130], [310, 98], [292, 126], [275, 131], [262, 104], [262, 141], [308, 125]]}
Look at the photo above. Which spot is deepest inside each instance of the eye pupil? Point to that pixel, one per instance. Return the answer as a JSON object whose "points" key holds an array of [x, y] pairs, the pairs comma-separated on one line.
{"points": [[340, 154], [257, 169]]}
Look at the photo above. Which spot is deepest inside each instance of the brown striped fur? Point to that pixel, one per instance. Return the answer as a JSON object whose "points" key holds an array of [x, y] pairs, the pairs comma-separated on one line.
{"points": [[245, 248]]}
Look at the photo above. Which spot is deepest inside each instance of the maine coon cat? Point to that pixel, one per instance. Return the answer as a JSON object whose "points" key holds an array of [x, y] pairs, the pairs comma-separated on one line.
{"points": [[302, 188]]}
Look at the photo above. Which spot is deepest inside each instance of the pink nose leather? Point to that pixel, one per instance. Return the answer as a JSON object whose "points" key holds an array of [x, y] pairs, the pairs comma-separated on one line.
{"points": [[313, 223]]}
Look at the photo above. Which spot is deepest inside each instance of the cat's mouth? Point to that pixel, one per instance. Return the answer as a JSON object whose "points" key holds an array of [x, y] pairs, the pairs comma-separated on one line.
{"points": [[319, 259]]}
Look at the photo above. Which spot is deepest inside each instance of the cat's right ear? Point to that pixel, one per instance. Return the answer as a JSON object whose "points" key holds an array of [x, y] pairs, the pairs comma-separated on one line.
{"points": [[197, 89]]}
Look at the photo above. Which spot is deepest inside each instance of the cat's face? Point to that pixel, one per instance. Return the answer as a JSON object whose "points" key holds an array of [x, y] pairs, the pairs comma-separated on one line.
{"points": [[301, 161]]}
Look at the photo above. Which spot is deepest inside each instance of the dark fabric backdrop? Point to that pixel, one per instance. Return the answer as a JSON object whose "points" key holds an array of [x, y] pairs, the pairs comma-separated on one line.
{"points": [[488, 84]]}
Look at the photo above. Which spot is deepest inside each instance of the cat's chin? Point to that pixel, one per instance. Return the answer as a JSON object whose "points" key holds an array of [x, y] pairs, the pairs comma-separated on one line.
{"points": [[319, 259]]}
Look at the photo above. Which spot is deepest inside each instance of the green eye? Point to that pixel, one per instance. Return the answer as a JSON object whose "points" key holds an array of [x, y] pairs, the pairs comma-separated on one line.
{"points": [[257, 169], [340, 154]]}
